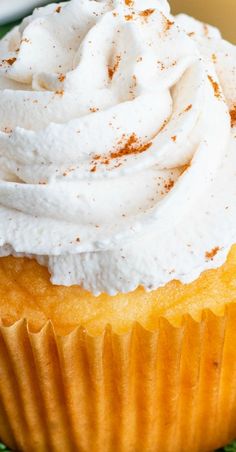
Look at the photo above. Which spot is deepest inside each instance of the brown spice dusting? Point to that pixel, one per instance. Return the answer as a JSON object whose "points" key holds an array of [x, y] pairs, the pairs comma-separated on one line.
{"points": [[214, 58], [139, 59], [146, 13], [60, 92], [211, 254], [233, 116], [61, 77], [174, 138], [7, 130], [128, 146], [168, 25], [58, 9], [96, 157], [77, 239], [27, 40], [113, 69], [191, 34], [42, 182], [131, 146], [188, 108], [134, 82], [128, 17], [215, 86], [10, 61], [118, 165], [169, 185], [185, 167], [163, 125], [94, 109], [129, 2], [161, 64], [69, 170]]}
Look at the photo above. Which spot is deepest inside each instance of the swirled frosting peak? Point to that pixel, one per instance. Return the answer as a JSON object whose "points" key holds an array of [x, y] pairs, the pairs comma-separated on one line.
{"points": [[115, 139]]}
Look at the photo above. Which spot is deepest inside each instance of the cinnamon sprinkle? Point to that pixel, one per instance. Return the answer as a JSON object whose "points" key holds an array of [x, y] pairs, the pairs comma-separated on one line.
{"points": [[215, 86], [233, 116], [7, 130], [113, 69], [10, 61], [214, 58], [163, 125], [168, 25], [161, 64], [61, 77], [58, 9], [188, 108], [27, 40], [60, 92], [130, 147], [169, 185], [174, 138], [185, 167], [146, 13], [94, 109], [129, 2], [211, 254], [69, 170], [128, 17]]}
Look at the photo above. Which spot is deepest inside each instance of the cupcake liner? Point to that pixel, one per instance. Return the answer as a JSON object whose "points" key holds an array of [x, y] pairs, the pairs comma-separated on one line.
{"points": [[171, 390]]}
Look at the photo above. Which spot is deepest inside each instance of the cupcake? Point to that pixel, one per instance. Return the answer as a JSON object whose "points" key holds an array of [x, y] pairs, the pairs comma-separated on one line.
{"points": [[117, 231]]}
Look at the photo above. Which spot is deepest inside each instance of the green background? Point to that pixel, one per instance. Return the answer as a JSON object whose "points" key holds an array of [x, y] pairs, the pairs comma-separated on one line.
{"points": [[3, 30], [231, 447]]}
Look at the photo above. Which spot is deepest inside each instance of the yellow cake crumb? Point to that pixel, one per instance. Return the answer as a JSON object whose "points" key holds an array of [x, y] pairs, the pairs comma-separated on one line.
{"points": [[26, 292]]}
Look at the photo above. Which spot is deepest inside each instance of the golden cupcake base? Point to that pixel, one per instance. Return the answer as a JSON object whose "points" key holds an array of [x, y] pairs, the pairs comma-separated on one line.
{"points": [[26, 292], [171, 390], [168, 385]]}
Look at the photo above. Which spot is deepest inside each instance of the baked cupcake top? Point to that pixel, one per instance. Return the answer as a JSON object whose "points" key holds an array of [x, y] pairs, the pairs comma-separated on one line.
{"points": [[117, 144]]}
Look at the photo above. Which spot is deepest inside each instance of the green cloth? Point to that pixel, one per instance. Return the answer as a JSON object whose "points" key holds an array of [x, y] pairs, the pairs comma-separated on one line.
{"points": [[4, 448], [230, 448], [3, 30]]}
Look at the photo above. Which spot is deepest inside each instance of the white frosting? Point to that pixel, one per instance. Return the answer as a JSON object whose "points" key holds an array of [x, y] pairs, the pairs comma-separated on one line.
{"points": [[118, 162]]}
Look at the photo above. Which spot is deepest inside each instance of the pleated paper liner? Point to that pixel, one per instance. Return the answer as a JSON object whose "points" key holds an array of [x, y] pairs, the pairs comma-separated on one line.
{"points": [[172, 390]]}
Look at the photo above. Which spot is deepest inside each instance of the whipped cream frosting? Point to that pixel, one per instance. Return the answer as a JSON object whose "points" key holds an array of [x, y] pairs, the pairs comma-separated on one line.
{"points": [[117, 144]]}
